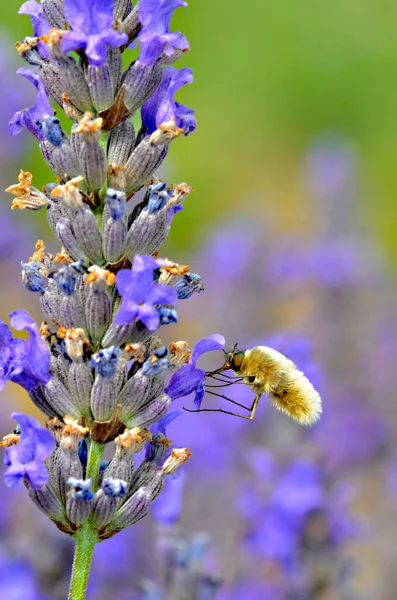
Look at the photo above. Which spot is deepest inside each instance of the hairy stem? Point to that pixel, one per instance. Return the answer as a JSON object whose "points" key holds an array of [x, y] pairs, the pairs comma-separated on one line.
{"points": [[86, 537]]}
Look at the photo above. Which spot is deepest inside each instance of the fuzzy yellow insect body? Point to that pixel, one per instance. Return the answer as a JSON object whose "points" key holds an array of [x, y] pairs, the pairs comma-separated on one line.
{"points": [[267, 371]]}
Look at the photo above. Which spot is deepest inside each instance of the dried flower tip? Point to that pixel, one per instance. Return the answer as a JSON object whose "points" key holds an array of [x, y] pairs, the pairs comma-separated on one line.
{"points": [[170, 270], [45, 331], [134, 438], [63, 257], [53, 41], [89, 126], [153, 344], [179, 353], [100, 276], [75, 339], [70, 192], [181, 191], [117, 177], [26, 196], [70, 110], [135, 352], [56, 426], [9, 440], [28, 44], [178, 457], [165, 133], [39, 255], [73, 428]]}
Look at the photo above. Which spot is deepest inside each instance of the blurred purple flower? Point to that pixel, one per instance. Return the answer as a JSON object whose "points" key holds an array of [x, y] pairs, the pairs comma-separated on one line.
{"points": [[349, 434], [140, 295], [17, 580], [92, 28], [26, 458]]}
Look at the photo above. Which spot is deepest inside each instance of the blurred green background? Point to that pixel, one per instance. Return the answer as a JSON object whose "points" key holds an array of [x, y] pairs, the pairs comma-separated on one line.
{"points": [[268, 78]]}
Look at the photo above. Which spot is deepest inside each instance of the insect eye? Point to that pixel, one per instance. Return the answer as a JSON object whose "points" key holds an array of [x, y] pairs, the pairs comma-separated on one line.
{"points": [[237, 360], [251, 378]]}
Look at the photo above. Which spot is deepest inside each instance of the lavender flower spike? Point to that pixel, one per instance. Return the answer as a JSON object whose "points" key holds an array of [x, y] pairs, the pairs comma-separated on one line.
{"points": [[92, 28], [25, 458]]}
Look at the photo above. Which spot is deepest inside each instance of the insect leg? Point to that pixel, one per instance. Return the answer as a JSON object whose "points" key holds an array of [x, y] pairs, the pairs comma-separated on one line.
{"points": [[229, 400], [221, 410]]}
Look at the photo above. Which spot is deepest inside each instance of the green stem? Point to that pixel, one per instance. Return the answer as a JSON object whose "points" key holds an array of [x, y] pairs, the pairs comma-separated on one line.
{"points": [[84, 549], [86, 537]]}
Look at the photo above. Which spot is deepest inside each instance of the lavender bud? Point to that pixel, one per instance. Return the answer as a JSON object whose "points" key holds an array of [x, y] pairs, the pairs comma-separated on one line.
{"points": [[53, 10], [131, 24], [190, 283], [80, 500], [60, 368], [105, 389], [49, 74], [143, 162], [106, 501], [147, 232], [59, 398], [92, 156], [114, 240], [50, 302], [115, 228], [101, 86], [133, 510], [121, 143], [61, 160], [115, 62], [133, 395], [88, 235], [74, 83], [39, 400], [71, 312], [55, 212], [32, 276], [151, 412], [120, 8], [66, 464], [98, 304], [48, 502], [80, 382], [140, 83], [51, 129], [147, 476], [64, 233], [126, 334]]}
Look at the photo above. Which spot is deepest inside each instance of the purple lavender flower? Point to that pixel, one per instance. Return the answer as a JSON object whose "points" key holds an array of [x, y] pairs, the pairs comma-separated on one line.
{"points": [[29, 117], [26, 458], [162, 108], [189, 378], [141, 295], [155, 36], [25, 362], [92, 28]]}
